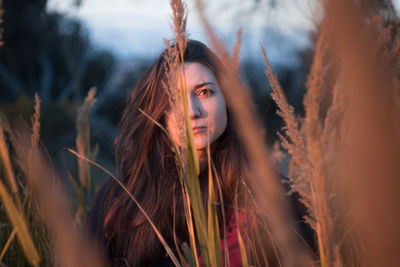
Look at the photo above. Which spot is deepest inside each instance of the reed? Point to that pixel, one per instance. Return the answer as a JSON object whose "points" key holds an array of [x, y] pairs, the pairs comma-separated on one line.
{"points": [[267, 187], [201, 221], [84, 187], [334, 149], [42, 222]]}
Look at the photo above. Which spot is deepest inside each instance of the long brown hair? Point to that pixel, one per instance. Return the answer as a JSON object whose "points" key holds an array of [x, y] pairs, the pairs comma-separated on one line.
{"points": [[147, 167]]}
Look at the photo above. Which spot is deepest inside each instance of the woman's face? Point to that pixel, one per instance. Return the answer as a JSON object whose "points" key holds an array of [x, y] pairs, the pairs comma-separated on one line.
{"points": [[207, 108]]}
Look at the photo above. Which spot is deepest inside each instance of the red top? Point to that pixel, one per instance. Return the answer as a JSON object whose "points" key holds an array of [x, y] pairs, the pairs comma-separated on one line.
{"points": [[232, 239]]}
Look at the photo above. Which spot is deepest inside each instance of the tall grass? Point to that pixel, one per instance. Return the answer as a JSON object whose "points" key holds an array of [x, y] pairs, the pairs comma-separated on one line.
{"points": [[344, 156], [201, 221], [84, 186], [337, 150], [38, 211], [266, 186]]}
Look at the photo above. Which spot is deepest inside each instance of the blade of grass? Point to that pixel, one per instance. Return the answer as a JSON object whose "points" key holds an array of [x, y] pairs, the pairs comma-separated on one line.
{"points": [[243, 252], [78, 192], [185, 183], [189, 255], [214, 243], [7, 163], [226, 250], [213, 227], [21, 226], [83, 140], [9, 240], [193, 188]]}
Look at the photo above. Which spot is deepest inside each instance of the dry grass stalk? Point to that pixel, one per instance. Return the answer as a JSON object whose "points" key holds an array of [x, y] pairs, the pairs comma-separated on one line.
{"points": [[321, 184], [13, 207], [206, 224], [371, 141], [83, 138], [342, 145], [70, 248], [175, 98], [236, 50], [306, 179], [307, 145], [63, 245], [294, 142], [179, 18], [5, 157], [19, 222], [186, 156], [35, 123], [249, 128]]}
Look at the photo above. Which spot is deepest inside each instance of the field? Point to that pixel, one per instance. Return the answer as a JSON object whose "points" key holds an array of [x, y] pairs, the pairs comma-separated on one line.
{"points": [[343, 154]]}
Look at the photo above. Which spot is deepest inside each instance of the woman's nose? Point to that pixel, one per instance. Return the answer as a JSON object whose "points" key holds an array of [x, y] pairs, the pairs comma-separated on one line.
{"points": [[194, 108]]}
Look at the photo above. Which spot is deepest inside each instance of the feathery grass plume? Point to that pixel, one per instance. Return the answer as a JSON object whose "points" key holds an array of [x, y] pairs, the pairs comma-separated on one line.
{"points": [[206, 224], [171, 86], [294, 142], [172, 59], [368, 132], [236, 50], [322, 186], [342, 144], [11, 252], [273, 203], [83, 142], [370, 140], [307, 145], [68, 245], [179, 19], [206, 229], [35, 123]]}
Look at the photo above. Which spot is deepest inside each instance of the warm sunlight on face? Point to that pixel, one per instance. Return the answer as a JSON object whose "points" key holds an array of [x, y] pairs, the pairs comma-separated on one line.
{"points": [[207, 108]]}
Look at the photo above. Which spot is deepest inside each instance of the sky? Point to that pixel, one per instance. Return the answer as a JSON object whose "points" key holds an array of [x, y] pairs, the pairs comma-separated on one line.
{"points": [[136, 28]]}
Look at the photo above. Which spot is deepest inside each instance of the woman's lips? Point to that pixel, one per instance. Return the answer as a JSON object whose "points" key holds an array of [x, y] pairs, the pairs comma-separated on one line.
{"points": [[199, 129]]}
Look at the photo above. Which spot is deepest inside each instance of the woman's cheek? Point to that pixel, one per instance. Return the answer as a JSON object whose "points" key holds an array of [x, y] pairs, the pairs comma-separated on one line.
{"points": [[222, 115]]}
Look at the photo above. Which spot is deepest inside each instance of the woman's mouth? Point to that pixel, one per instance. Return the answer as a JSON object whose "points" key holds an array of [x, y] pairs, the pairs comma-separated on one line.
{"points": [[199, 129]]}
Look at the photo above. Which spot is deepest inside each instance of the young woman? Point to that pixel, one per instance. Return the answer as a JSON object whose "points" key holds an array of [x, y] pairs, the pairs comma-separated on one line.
{"points": [[148, 166]]}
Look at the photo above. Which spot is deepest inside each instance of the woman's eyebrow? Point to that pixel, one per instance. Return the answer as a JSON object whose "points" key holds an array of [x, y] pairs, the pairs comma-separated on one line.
{"points": [[197, 86]]}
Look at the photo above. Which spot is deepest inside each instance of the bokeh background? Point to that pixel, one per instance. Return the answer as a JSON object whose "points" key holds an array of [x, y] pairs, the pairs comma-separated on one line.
{"points": [[62, 48]]}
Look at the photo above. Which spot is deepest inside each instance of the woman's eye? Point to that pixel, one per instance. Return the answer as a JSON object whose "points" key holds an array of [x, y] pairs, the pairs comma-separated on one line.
{"points": [[205, 92]]}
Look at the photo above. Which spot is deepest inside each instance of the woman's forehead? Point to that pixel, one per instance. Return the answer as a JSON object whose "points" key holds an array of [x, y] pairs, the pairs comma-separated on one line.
{"points": [[196, 73]]}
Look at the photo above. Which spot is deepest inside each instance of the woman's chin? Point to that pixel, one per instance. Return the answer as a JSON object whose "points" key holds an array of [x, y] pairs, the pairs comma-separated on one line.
{"points": [[200, 143], [201, 147]]}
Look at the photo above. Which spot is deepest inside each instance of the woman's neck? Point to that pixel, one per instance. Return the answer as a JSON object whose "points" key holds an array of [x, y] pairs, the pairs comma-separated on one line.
{"points": [[203, 157]]}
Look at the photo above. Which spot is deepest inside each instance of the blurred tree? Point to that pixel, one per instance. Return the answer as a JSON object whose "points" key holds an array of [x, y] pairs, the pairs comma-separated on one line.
{"points": [[48, 53]]}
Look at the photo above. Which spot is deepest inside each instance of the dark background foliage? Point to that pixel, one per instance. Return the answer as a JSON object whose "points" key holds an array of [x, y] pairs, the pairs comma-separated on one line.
{"points": [[52, 54]]}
